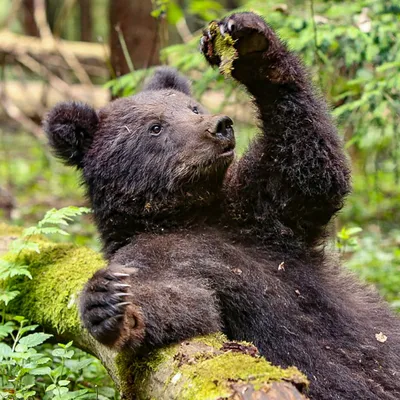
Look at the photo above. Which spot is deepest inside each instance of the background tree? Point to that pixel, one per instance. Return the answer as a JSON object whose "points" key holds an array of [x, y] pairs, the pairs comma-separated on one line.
{"points": [[134, 35]]}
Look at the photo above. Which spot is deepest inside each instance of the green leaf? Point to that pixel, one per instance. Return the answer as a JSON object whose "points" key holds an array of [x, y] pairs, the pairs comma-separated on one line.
{"points": [[205, 9], [34, 339], [58, 352], [174, 13], [76, 394], [62, 216], [82, 364], [51, 387], [69, 354], [32, 230], [20, 348], [5, 351], [354, 231], [6, 329], [27, 329], [63, 382], [5, 267], [106, 391], [56, 372], [7, 296], [18, 245], [43, 360], [41, 371], [20, 319], [28, 394], [51, 230], [65, 346], [19, 270], [60, 391]]}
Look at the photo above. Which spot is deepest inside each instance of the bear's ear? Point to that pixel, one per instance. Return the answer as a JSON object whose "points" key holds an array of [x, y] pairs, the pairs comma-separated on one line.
{"points": [[168, 78], [70, 128]]}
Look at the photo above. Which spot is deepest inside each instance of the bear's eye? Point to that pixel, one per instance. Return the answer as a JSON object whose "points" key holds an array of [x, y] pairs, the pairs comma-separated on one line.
{"points": [[195, 110], [155, 130]]}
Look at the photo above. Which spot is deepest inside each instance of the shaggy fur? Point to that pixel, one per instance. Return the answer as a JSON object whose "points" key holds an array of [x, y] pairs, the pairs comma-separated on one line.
{"points": [[195, 247]]}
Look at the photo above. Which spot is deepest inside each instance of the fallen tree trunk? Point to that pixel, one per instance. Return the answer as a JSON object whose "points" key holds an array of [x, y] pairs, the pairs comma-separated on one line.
{"points": [[33, 99], [12, 44], [209, 367]]}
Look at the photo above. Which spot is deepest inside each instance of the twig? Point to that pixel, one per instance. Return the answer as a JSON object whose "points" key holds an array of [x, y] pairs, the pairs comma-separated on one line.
{"points": [[54, 81], [16, 114], [71, 59], [124, 48], [154, 46], [39, 14], [183, 30], [46, 35]]}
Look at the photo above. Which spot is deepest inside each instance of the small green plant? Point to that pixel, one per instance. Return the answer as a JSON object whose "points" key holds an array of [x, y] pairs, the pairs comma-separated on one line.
{"points": [[20, 361], [27, 368], [346, 239], [30, 370], [12, 266]]}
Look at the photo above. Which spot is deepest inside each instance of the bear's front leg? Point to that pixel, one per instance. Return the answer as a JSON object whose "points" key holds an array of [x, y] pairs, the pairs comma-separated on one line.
{"points": [[130, 307], [294, 176], [107, 308]]}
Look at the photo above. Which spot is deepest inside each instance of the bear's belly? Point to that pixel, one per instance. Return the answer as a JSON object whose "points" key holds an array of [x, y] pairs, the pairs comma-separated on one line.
{"points": [[297, 310], [261, 294]]}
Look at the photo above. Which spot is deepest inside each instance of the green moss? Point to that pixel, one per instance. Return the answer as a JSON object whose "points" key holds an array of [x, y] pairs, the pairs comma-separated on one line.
{"points": [[135, 371], [215, 340], [59, 272], [223, 46], [7, 230], [198, 369], [210, 379]]}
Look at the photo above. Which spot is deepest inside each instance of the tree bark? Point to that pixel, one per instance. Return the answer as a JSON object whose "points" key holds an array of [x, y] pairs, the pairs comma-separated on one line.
{"points": [[85, 7], [28, 19], [131, 22], [209, 367]]}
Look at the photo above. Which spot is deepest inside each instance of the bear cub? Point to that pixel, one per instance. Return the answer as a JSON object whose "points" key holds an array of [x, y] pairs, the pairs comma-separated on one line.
{"points": [[198, 240]]}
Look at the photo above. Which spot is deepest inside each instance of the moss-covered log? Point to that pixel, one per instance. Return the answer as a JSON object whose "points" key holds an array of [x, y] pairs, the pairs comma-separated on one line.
{"points": [[208, 367]]}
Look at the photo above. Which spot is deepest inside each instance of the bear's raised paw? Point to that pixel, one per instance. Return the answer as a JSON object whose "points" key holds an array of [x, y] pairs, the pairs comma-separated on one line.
{"points": [[249, 33]]}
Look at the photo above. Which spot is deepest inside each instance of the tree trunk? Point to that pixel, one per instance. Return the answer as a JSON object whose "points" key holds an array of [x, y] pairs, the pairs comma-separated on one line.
{"points": [[131, 22], [203, 368], [85, 7], [28, 20]]}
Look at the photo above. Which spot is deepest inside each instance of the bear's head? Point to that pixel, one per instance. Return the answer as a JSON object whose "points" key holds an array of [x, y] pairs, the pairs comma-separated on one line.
{"points": [[149, 161]]}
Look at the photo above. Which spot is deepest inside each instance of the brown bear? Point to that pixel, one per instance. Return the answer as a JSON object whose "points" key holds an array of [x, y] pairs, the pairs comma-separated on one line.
{"points": [[198, 241]]}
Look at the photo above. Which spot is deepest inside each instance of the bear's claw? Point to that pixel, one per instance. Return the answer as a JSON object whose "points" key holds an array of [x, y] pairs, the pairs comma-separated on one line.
{"points": [[107, 318]]}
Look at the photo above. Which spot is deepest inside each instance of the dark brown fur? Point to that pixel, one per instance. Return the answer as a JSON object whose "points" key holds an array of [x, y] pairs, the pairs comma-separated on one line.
{"points": [[195, 247]]}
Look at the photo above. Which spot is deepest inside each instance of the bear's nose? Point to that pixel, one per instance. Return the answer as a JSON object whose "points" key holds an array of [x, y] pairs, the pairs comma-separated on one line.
{"points": [[223, 128]]}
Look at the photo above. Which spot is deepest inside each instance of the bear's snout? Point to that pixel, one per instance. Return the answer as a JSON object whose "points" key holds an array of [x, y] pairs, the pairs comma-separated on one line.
{"points": [[222, 133], [223, 128]]}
